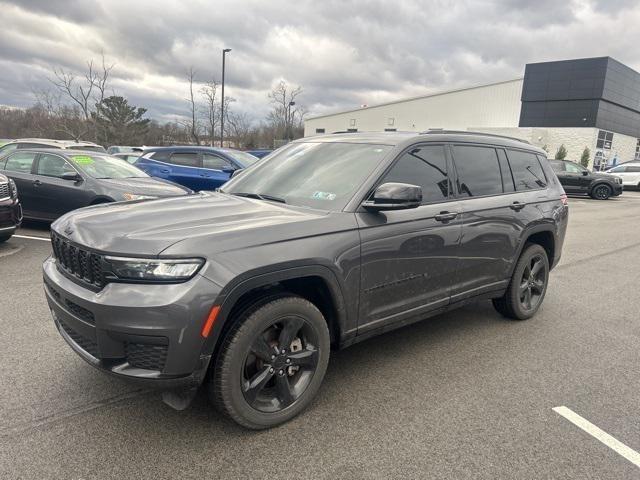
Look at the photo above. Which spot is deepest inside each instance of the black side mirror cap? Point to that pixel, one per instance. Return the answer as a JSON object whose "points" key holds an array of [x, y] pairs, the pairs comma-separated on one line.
{"points": [[394, 196], [72, 176], [585, 172]]}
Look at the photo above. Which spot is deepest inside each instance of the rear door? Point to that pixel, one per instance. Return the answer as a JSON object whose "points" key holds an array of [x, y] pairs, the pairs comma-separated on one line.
{"points": [[185, 168], [54, 195], [409, 257], [491, 211], [18, 166], [216, 170]]}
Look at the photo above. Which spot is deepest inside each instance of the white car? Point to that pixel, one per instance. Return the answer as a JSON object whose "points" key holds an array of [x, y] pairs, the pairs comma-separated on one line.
{"points": [[49, 143], [628, 172]]}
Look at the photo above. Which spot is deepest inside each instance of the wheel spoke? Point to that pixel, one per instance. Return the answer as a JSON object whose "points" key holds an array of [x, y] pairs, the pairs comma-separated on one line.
{"points": [[536, 268], [283, 389], [262, 350], [304, 358], [523, 287], [257, 383], [290, 328], [527, 298]]}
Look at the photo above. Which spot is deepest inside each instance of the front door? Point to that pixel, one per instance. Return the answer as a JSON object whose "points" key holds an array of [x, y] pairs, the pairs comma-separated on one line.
{"points": [[216, 170], [409, 257], [575, 178], [19, 167]]}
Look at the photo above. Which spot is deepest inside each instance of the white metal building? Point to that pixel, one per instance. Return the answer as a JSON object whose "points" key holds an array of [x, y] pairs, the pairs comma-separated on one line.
{"points": [[587, 103]]}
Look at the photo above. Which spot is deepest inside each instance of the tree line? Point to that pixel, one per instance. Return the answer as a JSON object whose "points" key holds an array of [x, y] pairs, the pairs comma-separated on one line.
{"points": [[84, 107]]}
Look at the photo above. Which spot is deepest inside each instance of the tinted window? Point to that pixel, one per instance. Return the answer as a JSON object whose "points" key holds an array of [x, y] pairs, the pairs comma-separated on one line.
{"points": [[526, 169], [426, 167], [633, 169], [214, 162], [478, 171], [163, 156], [557, 167], [20, 162], [53, 166], [572, 168], [185, 159]]}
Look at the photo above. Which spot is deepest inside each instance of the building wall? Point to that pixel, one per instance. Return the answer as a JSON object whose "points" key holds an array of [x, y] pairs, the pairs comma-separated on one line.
{"points": [[495, 105], [573, 139]]}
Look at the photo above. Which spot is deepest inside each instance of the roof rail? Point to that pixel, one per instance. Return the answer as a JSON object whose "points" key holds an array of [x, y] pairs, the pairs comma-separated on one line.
{"points": [[467, 132]]}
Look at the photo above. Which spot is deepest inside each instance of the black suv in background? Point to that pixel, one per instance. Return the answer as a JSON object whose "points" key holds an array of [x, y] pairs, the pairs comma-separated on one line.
{"points": [[10, 209], [327, 242], [576, 179]]}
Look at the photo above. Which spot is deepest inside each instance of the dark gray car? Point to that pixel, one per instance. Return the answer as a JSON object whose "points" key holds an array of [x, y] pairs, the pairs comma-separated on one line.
{"points": [[329, 241], [52, 182]]}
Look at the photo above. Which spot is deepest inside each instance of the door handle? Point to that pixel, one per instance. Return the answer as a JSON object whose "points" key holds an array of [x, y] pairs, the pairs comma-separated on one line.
{"points": [[445, 216], [517, 206], [165, 170], [37, 183]]}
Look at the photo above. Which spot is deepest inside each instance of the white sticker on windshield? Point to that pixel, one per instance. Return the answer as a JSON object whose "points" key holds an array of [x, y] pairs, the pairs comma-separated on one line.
{"points": [[324, 196]]}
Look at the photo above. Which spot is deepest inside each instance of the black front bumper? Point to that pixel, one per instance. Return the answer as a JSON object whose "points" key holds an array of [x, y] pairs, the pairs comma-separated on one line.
{"points": [[10, 216]]}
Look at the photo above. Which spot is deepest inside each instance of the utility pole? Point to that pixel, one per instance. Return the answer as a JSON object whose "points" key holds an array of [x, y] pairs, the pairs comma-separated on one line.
{"points": [[224, 52]]}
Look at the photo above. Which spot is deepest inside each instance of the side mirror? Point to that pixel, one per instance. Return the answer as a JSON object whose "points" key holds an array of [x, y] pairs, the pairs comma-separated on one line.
{"points": [[394, 196], [72, 176], [230, 170], [585, 173], [236, 172]]}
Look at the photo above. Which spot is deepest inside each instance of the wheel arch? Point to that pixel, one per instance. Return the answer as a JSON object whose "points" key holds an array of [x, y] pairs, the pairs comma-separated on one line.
{"points": [[543, 235], [598, 183], [316, 283]]}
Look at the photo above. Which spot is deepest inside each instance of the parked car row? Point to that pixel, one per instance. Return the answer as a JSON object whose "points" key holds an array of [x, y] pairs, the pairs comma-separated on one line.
{"points": [[575, 179]]}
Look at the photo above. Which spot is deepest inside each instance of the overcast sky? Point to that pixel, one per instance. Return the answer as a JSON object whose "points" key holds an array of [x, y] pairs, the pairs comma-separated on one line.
{"points": [[343, 53]]}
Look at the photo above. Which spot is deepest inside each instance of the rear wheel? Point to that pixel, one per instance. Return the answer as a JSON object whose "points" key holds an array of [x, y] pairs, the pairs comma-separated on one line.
{"points": [[601, 192], [528, 285], [272, 363]]}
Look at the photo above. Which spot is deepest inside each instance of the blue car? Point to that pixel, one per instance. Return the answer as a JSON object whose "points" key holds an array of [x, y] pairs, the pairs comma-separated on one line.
{"points": [[199, 168]]}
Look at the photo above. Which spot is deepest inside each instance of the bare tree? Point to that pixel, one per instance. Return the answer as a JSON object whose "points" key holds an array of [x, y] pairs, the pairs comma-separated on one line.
{"points": [[211, 110], [193, 123], [285, 110], [239, 127]]}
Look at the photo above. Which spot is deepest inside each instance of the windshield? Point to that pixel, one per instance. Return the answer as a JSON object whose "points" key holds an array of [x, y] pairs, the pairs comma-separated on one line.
{"points": [[317, 175], [105, 166], [243, 158], [88, 148]]}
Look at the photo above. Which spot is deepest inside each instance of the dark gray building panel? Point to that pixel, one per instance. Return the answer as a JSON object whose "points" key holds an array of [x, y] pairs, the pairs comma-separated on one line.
{"points": [[593, 92]]}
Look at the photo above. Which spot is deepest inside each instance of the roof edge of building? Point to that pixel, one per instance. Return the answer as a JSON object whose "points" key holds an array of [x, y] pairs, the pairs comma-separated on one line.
{"points": [[419, 97]]}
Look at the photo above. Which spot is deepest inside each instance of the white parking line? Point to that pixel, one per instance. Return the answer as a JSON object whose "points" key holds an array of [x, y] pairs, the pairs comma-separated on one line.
{"points": [[43, 239], [601, 435]]}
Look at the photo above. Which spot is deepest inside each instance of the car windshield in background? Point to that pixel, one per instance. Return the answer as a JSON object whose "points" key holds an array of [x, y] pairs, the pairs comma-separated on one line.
{"points": [[317, 175], [244, 158], [104, 166], [88, 148]]}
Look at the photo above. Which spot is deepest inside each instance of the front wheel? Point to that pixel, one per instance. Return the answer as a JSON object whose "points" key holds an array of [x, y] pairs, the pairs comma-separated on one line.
{"points": [[528, 285], [601, 192], [271, 363]]}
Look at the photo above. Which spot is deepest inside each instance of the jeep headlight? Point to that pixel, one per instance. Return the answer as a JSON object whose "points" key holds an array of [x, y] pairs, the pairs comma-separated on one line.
{"points": [[151, 269], [13, 190]]}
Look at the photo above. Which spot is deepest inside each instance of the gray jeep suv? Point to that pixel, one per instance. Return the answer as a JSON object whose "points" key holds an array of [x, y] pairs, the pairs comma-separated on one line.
{"points": [[327, 242]]}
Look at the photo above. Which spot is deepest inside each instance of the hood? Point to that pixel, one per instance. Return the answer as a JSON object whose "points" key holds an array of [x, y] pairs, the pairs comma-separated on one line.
{"points": [[148, 227], [604, 175], [143, 186]]}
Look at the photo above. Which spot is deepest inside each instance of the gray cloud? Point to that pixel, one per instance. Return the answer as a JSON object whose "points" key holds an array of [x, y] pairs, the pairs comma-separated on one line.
{"points": [[344, 53]]}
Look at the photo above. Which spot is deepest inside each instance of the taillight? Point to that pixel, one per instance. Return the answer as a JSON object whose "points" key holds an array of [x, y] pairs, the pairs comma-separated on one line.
{"points": [[564, 199]]}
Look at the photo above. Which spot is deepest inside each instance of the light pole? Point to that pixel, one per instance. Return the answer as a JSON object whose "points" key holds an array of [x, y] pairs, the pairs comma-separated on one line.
{"points": [[289, 121], [224, 53]]}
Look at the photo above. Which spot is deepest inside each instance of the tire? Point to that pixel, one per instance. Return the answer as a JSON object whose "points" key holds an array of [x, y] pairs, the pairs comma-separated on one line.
{"points": [[601, 191], [4, 238], [252, 354], [513, 304]]}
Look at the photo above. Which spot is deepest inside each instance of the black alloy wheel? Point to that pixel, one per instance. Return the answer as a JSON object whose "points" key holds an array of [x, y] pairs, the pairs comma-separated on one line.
{"points": [[280, 364], [528, 285], [601, 192], [271, 363]]}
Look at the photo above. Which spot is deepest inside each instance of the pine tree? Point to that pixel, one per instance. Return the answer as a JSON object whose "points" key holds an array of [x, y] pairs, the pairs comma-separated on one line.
{"points": [[561, 154], [584, 159], [120, 123]]}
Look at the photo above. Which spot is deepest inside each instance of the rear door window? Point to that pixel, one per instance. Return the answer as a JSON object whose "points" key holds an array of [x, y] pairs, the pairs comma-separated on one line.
{"points": [[425, 166], [185, 159], [478, 171], [633, 169], [20, 162], [526, 169]]}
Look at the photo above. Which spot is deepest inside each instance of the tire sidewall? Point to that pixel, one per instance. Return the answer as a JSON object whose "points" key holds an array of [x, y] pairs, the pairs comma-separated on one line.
{"points": [[602, 185], [233, 359]]}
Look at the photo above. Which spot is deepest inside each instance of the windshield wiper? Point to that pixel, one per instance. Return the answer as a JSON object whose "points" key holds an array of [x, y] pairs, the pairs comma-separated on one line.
{"points": [[259, 196]]}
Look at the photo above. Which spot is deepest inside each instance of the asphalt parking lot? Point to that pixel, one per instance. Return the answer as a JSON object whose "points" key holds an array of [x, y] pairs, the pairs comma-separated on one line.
{"points": [[463, 395]]}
